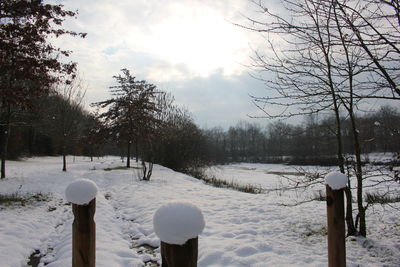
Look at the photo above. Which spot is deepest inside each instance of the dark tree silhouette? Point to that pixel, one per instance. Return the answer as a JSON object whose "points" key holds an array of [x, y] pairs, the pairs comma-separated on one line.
{"points": [[131, 114], [29, 64]]}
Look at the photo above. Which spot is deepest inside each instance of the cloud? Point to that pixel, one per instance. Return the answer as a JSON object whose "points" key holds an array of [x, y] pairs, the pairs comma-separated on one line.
{"points": [[164, 73], [217, 100], [186, 46]]}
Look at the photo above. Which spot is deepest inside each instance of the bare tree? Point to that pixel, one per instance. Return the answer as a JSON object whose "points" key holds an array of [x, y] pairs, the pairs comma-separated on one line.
{"points": [[95, 137], [304, 79], [181, 145], [332, 55], [375, 25], [66, 117], [349, 65]]}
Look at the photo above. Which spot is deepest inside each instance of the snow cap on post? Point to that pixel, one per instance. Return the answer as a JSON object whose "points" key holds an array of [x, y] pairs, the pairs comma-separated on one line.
{"points": [[336, 180], [81, 191], [177, 222]]}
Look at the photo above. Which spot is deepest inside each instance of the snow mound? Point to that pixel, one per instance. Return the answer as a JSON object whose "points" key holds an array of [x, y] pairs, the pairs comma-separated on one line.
{"points": [[336, 180], [177, 222], [81, 191]]}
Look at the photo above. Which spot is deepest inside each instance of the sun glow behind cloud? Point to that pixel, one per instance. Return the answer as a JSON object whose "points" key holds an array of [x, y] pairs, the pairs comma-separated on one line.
{"points": [[188, 38], [200, 39]]}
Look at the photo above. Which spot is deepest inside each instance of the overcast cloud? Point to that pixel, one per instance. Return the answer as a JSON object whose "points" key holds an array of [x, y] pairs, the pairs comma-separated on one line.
{"points": [[187, 47]]}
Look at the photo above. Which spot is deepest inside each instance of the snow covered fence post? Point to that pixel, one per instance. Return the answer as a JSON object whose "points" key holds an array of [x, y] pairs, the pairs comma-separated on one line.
{"points": [[82, 194], [178, 225], [335, 183]]}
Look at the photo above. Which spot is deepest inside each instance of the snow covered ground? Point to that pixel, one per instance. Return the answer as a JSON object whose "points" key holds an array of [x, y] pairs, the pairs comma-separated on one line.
{"points": [[241, 229]]}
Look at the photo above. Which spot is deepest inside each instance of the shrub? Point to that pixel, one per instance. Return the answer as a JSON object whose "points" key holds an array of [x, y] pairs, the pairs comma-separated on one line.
{"points": [[200, 174], [376, 198], [16, 198]]}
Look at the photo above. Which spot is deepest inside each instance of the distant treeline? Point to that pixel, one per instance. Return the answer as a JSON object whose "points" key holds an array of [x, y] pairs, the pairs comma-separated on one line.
{"points": [[56, 124], [312, 142], [59, 126], [42, 130]]}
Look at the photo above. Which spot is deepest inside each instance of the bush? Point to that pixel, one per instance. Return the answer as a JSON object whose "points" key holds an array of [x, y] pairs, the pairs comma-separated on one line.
{"points": [[376, 198], [181, 145], [200, 174], [320, 196], [18, 199]]}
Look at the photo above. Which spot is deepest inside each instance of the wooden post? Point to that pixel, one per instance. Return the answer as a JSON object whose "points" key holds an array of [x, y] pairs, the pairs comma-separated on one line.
{"points": [[84, 235], [180, 255], [336, 227]]}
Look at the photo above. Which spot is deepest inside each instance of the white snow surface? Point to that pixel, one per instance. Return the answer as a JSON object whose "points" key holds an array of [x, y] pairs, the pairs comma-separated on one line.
{"points": [[241, 229], [81, 191], [336, 180], [177, 222]]}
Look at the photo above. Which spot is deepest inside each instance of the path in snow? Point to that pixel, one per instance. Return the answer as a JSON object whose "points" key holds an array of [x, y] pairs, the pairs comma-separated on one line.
{"points": [[115, 244]]}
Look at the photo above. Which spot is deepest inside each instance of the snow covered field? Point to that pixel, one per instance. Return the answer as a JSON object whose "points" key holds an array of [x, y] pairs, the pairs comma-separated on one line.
{"points": [[241, 229]]}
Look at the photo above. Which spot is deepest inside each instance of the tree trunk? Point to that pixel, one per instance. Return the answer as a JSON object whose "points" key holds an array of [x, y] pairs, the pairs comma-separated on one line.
{"points": [[64, 163], [358, 169], [150, 171], [128, 155], [4, 142], [64, 168], [144, 170], [4, 137], [351, 229]]}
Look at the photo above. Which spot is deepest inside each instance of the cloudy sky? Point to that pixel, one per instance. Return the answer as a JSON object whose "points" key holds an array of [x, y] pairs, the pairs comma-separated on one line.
{"points": [[187, 47]]}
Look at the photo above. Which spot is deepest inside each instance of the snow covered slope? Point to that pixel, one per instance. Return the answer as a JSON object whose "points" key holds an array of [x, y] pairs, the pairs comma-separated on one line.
{"points": [[241, 229]]}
